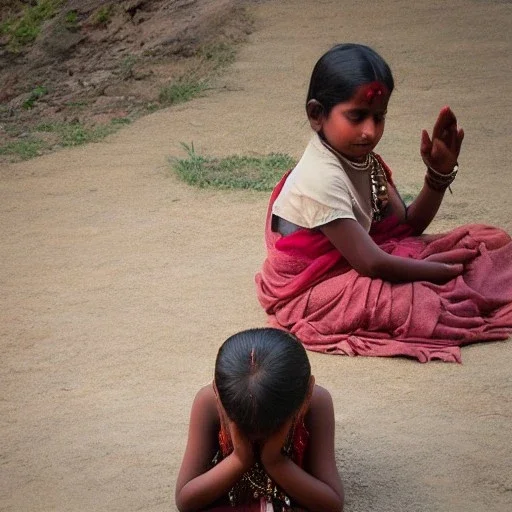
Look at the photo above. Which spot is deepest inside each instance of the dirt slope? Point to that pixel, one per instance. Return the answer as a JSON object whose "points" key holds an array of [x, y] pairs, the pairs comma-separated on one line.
{"points": [[97, 60], [118, 282]]}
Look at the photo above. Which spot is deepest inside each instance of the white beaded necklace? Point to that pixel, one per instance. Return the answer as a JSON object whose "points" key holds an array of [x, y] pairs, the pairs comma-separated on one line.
{"points": [[378, 180], [357, 166]]}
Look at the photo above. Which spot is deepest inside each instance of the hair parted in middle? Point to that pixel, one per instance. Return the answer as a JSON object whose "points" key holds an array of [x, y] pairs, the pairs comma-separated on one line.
{"points": [[262, 378], [342, 69]]}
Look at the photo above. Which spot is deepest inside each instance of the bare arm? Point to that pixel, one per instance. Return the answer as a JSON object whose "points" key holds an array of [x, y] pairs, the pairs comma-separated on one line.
{"points": [[424, 208], [367, 258], [199, 486], [441, 154], [318, 487], [421, 212]]}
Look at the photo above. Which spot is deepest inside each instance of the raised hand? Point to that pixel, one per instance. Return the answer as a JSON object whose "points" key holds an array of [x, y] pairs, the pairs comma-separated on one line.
{"points": [[442, 151]]}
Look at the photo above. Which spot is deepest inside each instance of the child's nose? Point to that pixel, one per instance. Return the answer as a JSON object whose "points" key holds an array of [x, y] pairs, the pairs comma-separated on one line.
{"points": [[369, 128]]}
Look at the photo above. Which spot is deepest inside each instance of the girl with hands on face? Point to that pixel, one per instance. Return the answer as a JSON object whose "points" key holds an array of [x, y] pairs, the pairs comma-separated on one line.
{"points": [[261, 436]]}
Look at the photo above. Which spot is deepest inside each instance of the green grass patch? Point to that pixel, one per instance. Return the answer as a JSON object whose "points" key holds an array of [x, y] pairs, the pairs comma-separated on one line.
{"points": [[184, 89], [103, 15], [76, 134], [232, 172], [48, 127], [79, 134], [119, 121], [24, 28], [37, 93], [64, 135], [71, 20], [151, 107], [23, 149]]}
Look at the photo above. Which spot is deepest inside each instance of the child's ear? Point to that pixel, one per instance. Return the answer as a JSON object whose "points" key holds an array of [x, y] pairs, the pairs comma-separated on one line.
{"points": [[315, 112]]}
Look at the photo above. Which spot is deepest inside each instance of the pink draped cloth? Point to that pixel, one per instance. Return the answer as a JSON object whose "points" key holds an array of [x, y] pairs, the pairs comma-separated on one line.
{"points": [[308, 288]]}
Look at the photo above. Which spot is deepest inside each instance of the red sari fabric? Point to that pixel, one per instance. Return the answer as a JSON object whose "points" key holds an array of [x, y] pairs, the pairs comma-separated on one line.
{"points": [[308, 288]]}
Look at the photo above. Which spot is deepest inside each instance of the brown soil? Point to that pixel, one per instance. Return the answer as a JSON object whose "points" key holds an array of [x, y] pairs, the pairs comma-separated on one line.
{"points": [[118, 282], [93, 72]]}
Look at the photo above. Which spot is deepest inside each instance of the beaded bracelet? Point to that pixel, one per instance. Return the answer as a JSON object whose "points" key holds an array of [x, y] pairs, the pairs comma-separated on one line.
{"points": [[439, 181]]}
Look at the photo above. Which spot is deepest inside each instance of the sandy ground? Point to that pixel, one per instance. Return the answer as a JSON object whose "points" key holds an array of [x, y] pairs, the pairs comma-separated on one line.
{"points": [[118, 283]]}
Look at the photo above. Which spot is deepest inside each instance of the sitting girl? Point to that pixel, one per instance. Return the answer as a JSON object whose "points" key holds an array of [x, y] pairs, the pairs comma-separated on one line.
{"points": [[348, 270], [261, 436]]}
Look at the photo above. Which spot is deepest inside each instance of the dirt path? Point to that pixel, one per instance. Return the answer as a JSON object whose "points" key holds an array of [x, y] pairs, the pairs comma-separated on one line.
{"points": [[118, 283]]}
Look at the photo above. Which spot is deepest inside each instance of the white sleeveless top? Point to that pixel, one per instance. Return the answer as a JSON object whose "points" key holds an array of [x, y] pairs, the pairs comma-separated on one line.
{"points": [[323, 187]]}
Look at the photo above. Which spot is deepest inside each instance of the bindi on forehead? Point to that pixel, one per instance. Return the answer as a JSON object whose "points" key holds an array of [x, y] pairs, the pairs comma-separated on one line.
{"points": [[372, 92]]}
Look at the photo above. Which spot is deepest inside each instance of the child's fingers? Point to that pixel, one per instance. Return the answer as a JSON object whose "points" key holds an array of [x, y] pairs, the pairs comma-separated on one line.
{"points": [[454, 257], [445, 121], [453, 140], [439, 125], [444, 147], [425, 144], [456, 269]]}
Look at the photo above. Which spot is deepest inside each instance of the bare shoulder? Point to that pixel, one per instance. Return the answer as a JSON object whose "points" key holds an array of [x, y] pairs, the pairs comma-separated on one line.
{"points": [[321, 409], [205, 404], [206, 393], [320, 398]]}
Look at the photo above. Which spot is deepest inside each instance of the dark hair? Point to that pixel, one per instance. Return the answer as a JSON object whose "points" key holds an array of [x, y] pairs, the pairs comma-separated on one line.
{"points": [[262, 378], [341, 70]]}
